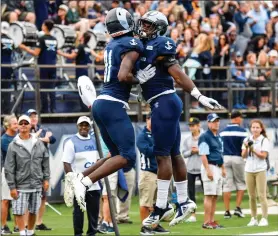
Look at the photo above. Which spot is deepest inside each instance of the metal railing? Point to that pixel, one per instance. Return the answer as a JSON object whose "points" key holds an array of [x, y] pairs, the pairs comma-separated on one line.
{"points": [[270, 85]]}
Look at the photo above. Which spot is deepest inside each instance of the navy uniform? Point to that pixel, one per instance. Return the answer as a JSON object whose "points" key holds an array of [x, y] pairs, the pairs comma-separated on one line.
{"points": [[109, 108], [160, 93], [47, 56], [7, 46]]}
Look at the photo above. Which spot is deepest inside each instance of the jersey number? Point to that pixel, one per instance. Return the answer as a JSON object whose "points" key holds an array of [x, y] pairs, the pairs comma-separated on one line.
{"points": [[144, 165], [108, 64]]}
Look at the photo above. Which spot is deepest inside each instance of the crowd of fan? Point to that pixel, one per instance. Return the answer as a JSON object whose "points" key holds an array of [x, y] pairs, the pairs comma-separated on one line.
{"points": [[244, 35]]}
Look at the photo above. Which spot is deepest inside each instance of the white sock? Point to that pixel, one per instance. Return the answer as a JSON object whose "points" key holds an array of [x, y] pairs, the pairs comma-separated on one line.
{"points": [[30, 232], [87, 181], [111, 224], [22, 232], [181, 191], [162, 193], [105, 222]]}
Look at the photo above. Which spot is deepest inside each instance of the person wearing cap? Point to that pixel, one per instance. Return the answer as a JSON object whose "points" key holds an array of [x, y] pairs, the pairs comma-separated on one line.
{"points": [[46, 51], [147, 177], [239, 77], [233, 136], [80, 152], [194, 161], [27, 172], [11, 127], [7, 47], [212, 169], [47, 137], [61, 18]]}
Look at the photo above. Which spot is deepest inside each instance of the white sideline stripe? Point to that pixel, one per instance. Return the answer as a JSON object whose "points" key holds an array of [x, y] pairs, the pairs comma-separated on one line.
{"points": [[268, 233], [234, 133]]}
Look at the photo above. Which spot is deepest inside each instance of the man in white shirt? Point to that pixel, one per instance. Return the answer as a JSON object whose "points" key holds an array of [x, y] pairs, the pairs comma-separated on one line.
{"points": [[80, 152]]}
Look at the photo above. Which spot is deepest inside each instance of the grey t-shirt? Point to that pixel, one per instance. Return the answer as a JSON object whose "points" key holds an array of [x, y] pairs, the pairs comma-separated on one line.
{"points": [[27, 143]]}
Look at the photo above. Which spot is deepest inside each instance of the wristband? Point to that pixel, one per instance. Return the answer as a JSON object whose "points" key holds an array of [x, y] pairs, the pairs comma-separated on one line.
{"points": [[195, 93]]}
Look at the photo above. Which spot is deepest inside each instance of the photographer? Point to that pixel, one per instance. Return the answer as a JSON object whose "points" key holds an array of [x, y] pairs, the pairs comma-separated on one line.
{"points": [[256, 149]]}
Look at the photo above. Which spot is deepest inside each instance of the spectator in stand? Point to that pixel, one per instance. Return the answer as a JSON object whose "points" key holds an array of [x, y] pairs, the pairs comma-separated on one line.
{"points": [[172, 21], [256, 45], [47, 137], [233, 136], [255, 149], [185, 17], [221, 58], [238, 74], [195, 27], [100, 26], [73, 13], [272, 29], [272, 62], [127, 5], [188, 42], [259, 19], [233, 44], [216, 27], [18, 11], [28, 156], [11, 126], [194, 161], [61, 18], [243, 26]]}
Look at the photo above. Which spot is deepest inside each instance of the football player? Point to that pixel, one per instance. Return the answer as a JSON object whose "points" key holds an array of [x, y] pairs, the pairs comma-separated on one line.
{"points": [[166, 106]]}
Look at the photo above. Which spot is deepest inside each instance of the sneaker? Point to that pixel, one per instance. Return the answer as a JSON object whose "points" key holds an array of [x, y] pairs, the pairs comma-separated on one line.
{"points": [[207, 226], [110, 230], [243, 106], [215, 225], [124, 221], [227, 215], [5, 230], [145, 230], [103, 228], [237, 106], [42, 227], [160, 230], [79, 192], [238, 212], [16, 230], [263, 222], [182, 211], [191, 219], [253, 222], [158, 214], [69, 191]]}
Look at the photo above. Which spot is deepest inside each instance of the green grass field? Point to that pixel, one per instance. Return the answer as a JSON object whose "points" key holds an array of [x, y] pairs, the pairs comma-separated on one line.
{"points": [[62, 225]]}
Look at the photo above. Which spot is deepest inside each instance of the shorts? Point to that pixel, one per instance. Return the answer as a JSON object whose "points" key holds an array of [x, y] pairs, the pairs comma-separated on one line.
{"points": [[147, 188], [6, 194], [235, 179], [6, 16], [30, 201], [212, 187], [166, 112], [116, 129], [113, 182]]}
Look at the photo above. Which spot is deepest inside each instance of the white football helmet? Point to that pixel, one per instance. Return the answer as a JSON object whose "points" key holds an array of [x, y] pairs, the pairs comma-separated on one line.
{"points": [[86, 90], [152, 24]]}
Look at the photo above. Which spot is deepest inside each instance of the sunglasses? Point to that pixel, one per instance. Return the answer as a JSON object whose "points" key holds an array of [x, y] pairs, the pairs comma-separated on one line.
{"points": [[23, 123]]}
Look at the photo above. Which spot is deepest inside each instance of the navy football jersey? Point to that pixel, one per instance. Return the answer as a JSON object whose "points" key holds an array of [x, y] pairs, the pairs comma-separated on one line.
{"points": [[83, 57], [7, 46], [48, 46], [112, 59], [162, 81]]}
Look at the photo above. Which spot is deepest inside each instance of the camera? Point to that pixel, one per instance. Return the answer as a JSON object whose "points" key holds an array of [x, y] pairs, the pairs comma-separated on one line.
{"points": [[250, 143]]}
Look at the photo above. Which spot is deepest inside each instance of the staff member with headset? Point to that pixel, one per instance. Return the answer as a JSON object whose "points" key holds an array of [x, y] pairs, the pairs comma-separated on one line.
{"points": [[46, 51], [83, 56], [7, 47]]}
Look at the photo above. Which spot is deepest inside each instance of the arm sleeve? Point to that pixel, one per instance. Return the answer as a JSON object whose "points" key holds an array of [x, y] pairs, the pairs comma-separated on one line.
{"points": [[45, 163], [265, 145], [9, 165], [167, 47], [132, 44], [243, 146], [204, 148], [187, 150], [68, 152], [144, 146]]}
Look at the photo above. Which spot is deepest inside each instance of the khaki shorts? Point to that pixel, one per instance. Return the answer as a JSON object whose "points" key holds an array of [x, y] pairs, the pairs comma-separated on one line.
{"points": [[113, 182], [6, 195], [212, 187], [147, 188], [235, 179]]}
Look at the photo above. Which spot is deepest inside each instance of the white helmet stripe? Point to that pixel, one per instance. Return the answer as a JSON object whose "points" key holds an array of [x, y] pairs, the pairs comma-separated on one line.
{"points": [[121, 15]]}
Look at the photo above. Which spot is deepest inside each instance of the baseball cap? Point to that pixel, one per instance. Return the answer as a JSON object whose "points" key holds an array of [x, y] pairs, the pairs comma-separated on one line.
{"points": [[193, 121], [238, 54], [64, 7], [31, 111], [24, 117], [83, 119], [212, 117], [274, 14], [273, 53], [236, 114]]}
